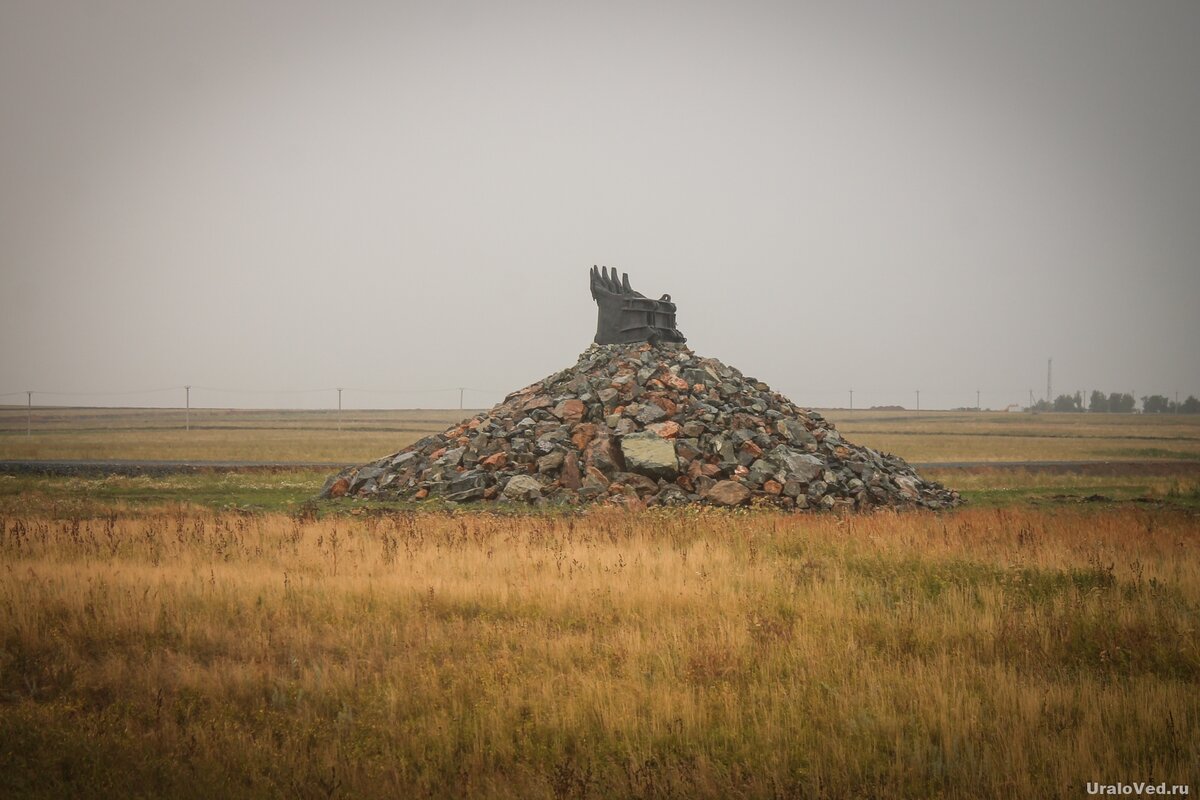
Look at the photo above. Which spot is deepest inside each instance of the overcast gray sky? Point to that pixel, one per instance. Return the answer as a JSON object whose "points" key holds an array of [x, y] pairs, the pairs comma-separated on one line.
{"points": [[880, 196]]}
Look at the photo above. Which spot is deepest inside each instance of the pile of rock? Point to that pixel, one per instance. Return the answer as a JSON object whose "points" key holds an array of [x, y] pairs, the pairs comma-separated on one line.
{"points": [[656, 425]]}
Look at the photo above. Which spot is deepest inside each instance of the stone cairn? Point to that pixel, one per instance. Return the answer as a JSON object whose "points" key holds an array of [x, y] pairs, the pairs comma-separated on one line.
{"points": [[649, 424]]}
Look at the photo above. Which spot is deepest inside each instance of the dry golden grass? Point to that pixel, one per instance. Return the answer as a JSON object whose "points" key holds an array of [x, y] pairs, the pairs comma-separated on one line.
{"points": [[983, 653]]}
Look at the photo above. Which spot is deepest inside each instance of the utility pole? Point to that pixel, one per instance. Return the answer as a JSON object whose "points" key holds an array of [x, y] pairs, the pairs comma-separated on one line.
{"points": [[460, 397], [852, 398], [28, 413], [918, 399], [977, 407], [1176, 401], [339, 408], [1049, 395], [187, 403]]}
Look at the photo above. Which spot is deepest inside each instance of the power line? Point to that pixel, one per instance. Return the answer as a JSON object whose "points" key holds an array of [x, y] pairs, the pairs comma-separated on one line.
{"points": [[263, 391], [99, 394]]}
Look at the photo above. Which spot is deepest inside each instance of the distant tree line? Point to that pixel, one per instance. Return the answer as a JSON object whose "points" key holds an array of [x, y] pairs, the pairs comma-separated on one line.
{"points": [[1119, 403]]}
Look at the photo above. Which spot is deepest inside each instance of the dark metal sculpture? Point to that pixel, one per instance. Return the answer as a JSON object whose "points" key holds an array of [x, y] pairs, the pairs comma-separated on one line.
{"points": [[628, 316]]}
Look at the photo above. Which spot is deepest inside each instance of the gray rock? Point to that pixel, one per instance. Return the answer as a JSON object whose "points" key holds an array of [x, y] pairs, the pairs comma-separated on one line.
{"points": [[472, 479], [466, 496], [760, 473], [522, 488], [650, 412], [365, 476], [625, 426], [795, 431], [672, 495], [725, 450], [908, 485], [403, 459], [650, 454], [552, 462], [742, 435], [799, 466]]}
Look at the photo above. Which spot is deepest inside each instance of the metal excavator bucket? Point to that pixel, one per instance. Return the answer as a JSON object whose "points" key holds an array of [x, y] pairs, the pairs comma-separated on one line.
{"points": [[627, 316]]}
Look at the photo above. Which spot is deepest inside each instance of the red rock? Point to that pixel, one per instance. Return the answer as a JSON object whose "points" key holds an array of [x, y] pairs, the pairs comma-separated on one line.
{"points": [[728, 493], [741, 419], [710, 470], [490, 492], [597, 476], [537, 401], [583, 435], [570, 477], [602, 453], [667, 430], [666, 404], [441, 451], [421, 494], [741, 471], [752, 449], [773, 487], [570, 411], [684, 482], [675, 382], [339, 488], [494, 461]]}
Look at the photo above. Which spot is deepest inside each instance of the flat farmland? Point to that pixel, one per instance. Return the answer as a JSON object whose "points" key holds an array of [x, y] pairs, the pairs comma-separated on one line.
{"points": [[313, 436], [218, 634], [949, 436], [215, 434]]}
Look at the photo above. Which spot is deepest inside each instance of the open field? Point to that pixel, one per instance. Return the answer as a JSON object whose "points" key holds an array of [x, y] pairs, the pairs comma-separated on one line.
{"points": [[312, 436], [291, 491], [217, 634], [216, 434], [982, 653], [991, 436]]}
